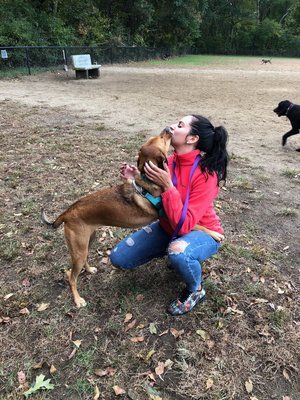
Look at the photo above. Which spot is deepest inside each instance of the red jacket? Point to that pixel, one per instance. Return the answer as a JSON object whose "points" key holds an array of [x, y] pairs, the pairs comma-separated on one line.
{"points": [[202, 194]]}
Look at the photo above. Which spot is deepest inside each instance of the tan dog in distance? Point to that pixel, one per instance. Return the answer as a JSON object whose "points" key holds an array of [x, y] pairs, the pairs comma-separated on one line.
{"points": [[119, 205]]}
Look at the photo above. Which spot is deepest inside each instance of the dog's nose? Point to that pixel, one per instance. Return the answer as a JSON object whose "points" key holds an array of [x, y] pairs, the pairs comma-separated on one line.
{"points": [[168, 129]]}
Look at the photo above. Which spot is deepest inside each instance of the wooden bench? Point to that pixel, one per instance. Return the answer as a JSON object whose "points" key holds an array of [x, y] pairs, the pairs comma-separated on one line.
{"points": [[82, 64]]}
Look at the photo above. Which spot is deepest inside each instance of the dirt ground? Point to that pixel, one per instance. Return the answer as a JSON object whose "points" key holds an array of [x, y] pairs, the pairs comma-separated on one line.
{"points": [[61, 138]]}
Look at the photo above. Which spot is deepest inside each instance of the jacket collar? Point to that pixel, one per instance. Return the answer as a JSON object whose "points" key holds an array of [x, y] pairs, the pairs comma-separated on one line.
{"points": [[186, 159]]}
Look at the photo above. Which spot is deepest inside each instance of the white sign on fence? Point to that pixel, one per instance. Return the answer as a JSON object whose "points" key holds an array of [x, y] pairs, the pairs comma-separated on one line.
{"points": [[4, 54]]}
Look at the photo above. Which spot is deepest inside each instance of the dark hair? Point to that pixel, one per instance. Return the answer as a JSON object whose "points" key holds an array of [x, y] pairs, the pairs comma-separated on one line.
{"points": [[212, 141]]}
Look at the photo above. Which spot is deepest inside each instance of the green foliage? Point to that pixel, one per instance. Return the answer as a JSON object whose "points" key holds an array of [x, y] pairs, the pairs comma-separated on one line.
{"points": [[267, 34], [212, 26]]}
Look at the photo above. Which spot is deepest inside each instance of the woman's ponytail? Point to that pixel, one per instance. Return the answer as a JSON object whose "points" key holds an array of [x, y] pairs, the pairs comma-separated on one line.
{"points": [[212, 141]]}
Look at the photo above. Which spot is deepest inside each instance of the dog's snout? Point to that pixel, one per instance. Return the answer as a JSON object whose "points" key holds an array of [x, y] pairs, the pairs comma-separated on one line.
{"points": [[168, 129]]}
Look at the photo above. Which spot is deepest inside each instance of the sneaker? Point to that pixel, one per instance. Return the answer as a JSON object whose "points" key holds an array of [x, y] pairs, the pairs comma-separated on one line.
{"points": [[186, 302]]}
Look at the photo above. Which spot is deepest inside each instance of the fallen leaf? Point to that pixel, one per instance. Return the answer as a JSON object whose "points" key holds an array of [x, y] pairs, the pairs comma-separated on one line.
{"points": [[72, 353], [260, 301], [176, 333], [150, 375], [40, 383], [160, 369], [21, 377], [203, 334], [111, 234], [280, 291], [169, 364], [152, 328], [220, 324], [25, 282], [96, 393], [253, 398], [164, 332], [149, 355], [285, 397], [127, 318], [4, 320], [118, 390], [140, 297], [249, 386], [52, 369], [107, 371], [43, 306], [137, 339], [233, 310], [209, 383], [38, 365], [77, 343], [286, 375], [155, 397], [8, 296], [130, 325], [24, 311]]}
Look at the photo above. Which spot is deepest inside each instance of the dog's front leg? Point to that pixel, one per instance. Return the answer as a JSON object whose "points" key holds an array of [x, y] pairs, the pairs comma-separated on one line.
{"points": [[288, 134]]}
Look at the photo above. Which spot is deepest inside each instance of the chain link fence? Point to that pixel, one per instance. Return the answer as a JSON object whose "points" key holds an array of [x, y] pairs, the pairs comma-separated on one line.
{"points": [[47, 57]]}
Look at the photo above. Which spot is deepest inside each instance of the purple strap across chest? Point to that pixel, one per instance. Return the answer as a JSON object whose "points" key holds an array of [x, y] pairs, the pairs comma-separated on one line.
{"points": [[186, 202]]}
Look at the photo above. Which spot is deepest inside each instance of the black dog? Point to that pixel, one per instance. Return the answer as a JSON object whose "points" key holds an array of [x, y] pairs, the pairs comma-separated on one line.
{"points": [[292, 112]]}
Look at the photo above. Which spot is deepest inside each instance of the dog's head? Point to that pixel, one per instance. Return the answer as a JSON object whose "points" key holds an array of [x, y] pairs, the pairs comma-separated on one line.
{"points": [[282, 108], [155, 150]]}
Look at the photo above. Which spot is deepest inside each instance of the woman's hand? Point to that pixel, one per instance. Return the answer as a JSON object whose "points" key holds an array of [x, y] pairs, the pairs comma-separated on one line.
{"points": [[129, 172], [161, 177]]}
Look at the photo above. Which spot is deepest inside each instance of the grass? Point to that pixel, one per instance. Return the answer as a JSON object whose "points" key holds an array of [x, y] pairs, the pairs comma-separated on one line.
{"points": [[14, 72], [290, 173], [279, 318], [242, 182], [204, 60], [287, 212]]}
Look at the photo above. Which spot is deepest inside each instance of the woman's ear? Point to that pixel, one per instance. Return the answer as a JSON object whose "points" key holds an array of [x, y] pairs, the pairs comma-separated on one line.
{"points": [[192, 139]]}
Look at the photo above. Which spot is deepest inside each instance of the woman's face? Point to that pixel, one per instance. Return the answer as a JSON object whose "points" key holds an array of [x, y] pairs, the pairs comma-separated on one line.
{"points": [[180, 131]]}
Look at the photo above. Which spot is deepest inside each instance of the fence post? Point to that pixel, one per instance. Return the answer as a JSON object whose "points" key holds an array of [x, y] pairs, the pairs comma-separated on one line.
{"points": [[27, 60], [111, 54]]}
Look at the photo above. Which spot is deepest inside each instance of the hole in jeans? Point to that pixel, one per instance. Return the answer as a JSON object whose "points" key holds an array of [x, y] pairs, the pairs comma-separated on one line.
{"points": [[178, 247]]}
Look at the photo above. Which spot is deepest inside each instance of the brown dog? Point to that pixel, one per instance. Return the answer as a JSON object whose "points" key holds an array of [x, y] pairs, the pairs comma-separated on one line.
{"points": [[121, 205], [266, 61]]}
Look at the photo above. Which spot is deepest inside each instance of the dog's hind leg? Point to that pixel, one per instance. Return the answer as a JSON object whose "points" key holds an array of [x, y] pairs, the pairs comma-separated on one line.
{"points": [[78, 244], [88, 268]]}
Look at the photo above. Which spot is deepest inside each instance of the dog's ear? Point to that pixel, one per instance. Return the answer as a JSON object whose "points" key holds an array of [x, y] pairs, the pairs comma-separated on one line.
{"points": [[161, 160], [141, 162]]}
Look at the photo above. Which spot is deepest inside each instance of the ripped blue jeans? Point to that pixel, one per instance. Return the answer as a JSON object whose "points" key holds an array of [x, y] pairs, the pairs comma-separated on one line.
{"points": [[185, 253]]}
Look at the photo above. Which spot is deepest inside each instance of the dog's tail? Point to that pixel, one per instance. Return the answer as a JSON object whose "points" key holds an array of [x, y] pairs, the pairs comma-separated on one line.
{"points": [[45, 220]]}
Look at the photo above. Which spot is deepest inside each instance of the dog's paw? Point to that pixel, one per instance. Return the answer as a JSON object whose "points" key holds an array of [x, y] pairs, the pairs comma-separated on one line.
{"points": [[80, 302], [90, 270]]}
